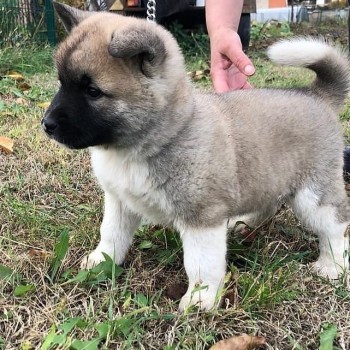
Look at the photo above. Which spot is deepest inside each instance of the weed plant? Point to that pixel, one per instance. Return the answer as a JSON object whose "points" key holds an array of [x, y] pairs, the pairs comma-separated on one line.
{"points": [[194, 45], [269, 29]]}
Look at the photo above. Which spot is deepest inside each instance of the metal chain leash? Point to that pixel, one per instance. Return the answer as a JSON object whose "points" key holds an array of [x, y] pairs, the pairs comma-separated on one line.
{"points": [[151, 11]]}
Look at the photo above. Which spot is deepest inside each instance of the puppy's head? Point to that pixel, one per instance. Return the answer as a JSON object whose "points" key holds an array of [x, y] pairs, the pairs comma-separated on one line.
{"points": [[117, 76]]}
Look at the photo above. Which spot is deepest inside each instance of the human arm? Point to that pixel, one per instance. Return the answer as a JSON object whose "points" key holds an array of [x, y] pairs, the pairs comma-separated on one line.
{"points": [[229, 64]]}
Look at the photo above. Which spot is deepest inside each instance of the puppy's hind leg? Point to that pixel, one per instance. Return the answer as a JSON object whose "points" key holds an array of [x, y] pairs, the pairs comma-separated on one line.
{"points": [[328, 215], [117, 229]]}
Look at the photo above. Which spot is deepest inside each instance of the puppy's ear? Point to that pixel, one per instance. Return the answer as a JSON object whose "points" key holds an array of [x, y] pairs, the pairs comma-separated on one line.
{"points": [[141, 44], [69, 16]]}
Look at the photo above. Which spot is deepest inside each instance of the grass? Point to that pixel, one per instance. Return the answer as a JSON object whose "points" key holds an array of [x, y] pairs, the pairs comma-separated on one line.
{"points": [[51, 209]]}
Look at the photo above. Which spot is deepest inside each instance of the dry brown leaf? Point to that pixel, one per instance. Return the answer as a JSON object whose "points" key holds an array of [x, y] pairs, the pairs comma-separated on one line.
{"points": [[248, 234], [176, 291], [6, 144], [23, 86], [242, 342], [38, 253]]}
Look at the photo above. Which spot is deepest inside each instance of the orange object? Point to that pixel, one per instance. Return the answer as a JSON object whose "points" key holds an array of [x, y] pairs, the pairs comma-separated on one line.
{"points": [[133, 3], [277, 3]]}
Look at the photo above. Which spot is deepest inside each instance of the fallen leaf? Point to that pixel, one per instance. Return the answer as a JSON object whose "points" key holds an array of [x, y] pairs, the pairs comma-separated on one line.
{"points": [[248, 234], [242, 342], [15, 76], [38, 253], [231, 297], [176, 291], [6, 144], [23, 86], [44, 104]]}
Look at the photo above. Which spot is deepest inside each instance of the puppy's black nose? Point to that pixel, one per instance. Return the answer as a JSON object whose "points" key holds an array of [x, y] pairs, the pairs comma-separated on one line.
{"points": [[49, 125]]}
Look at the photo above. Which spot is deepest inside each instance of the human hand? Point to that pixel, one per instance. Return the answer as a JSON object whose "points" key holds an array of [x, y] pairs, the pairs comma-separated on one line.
{"points": [[229, 64]]}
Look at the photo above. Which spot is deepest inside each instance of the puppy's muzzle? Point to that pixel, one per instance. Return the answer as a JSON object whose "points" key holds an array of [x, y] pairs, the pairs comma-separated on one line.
{"points": [[49, 125]]}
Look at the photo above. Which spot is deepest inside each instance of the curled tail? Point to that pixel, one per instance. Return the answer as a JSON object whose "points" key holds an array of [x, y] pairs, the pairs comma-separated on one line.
{"points": [[330, 64]]}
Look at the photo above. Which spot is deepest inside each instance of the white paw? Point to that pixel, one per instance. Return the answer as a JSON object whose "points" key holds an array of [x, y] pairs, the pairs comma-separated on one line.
{"points": [[329, 268], [204, 298], [91, 260]]}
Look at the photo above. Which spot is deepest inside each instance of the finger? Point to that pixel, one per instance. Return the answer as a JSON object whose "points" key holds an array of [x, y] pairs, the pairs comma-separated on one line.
{"points": [[236, 80], [236, 55], [241, 61], [220, 82]]}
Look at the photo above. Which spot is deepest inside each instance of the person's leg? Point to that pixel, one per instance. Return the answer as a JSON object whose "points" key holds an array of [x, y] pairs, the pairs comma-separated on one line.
{"points": [[244, 30]]}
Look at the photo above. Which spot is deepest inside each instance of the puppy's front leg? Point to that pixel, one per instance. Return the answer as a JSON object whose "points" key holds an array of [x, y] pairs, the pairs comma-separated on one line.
{"points": [[117, 229], [205, 264]]}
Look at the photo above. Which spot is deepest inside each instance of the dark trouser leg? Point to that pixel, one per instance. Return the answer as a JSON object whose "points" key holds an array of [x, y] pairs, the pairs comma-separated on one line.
{"points": [[244, 30]]}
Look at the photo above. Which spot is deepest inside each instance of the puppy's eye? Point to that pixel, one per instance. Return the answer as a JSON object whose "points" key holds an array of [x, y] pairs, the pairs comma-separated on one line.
{"points": [[93, 92]]}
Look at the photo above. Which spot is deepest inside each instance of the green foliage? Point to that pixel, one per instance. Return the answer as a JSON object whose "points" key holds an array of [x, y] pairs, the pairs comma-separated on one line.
{"points": [[164, 244], [269, 29], [327, 336], [104, 271], [16, 281], [60, 252], [60, 336], [9, 12], [128, 328], [27, 59], [6, 273], [21, 22], [266, 288], [194, 44], [22, 289]]}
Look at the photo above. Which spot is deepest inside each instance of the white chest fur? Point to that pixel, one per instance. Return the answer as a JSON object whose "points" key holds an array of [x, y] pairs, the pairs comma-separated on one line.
{"points": [[129, 179]]}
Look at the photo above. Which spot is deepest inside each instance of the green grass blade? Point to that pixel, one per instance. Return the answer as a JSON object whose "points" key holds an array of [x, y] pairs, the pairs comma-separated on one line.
{"points": [[61, 249], [327, 337]]}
